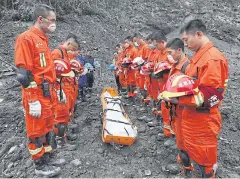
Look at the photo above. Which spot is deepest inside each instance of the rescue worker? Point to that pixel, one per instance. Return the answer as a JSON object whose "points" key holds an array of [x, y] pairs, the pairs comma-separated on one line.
{"points": [[120, 70], [68, 86], [143, 51], [180, 64], [160, 41], [201, 118], [62, 115], [130, 55], [147, 80], [37, 75]]}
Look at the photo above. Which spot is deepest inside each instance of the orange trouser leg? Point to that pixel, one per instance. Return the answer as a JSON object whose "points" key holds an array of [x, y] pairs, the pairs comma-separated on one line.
{"points": [[177, 128], [200, 131], [75, 92], [167, 129], [154, 89], [37, 128], [131, 83], [68, 89]]}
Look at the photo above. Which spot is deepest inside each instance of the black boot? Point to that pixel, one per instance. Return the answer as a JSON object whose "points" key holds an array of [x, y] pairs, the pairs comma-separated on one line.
{"points": [[44, 170]]}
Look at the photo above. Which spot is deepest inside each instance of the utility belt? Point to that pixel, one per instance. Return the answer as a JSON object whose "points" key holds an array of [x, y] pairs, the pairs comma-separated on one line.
{"points": [[45, 86]]}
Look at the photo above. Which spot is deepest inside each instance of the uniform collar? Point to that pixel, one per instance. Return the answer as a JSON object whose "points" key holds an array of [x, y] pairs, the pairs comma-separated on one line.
{"points": [[201, 51], [180, 64], [39, 33], [163, 52]]}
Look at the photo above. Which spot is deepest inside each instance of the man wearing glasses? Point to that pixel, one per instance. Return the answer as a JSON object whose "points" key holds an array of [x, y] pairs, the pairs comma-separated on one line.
{"points": [[36, 74]]}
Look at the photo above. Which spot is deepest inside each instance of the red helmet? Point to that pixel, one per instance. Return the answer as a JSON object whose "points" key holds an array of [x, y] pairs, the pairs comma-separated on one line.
{"points": [[126, 62], [161, 66], [76, 65], [179, 85], [147, 68], [62, 68]]}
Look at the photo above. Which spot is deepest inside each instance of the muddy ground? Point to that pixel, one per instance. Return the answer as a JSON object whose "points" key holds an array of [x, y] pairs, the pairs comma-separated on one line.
{"points": [[148, 157]]}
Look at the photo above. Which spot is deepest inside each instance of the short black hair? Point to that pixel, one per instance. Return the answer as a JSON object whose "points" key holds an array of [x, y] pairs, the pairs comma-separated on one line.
{"points": [[175, 44], [74, 37], [159, 36], [194, 26], [130, 38], [41, 10], [182, 29], [149, 37], [117, 46]]}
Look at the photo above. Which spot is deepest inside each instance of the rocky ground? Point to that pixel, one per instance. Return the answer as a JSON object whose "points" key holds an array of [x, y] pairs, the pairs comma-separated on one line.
{"points": [[148, 157]]}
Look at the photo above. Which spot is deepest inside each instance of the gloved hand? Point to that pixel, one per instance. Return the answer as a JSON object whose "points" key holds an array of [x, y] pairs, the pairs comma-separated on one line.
{"points": [[62, 98], [35, 109]]}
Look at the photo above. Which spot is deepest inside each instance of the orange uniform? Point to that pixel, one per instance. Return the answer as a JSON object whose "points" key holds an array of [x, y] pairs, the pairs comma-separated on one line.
{"points": [[142, 51], [201, 125], [152, 84], [63, 110], [122, 78], [167, 130], [74, 84], [32, 53], [131, 53], [177, 119]]}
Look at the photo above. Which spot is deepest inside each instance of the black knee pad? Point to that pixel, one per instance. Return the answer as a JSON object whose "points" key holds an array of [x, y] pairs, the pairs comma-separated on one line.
{"points": [[185, 158], [38, 141], [51, 139], [62, 129]]}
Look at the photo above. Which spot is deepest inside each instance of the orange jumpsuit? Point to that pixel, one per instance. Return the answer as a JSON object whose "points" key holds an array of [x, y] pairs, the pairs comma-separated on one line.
{"points": [[74, 88], [142, 51], [167, 130], [122, 78], [62, 110], [32, 53], [152, 84], [177, 119], [201, 126], [131, 53]]}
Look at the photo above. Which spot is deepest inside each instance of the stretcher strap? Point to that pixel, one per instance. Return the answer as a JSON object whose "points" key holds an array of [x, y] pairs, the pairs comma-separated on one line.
{"points": [[111, 98], [108, 132], [105, 110], [126, 131], [114, 102], [111, 120]]}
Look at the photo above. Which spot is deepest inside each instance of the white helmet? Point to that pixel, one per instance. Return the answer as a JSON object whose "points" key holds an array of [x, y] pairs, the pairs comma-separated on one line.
{"points": [[138, 61]]}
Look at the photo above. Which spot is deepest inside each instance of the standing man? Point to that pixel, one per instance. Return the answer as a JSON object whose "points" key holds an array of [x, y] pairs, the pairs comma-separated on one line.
{"points": [[89, 64], [130, 55], [180, 64], [201, 118], [67, 83], [36, 74], [143, 51]]}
